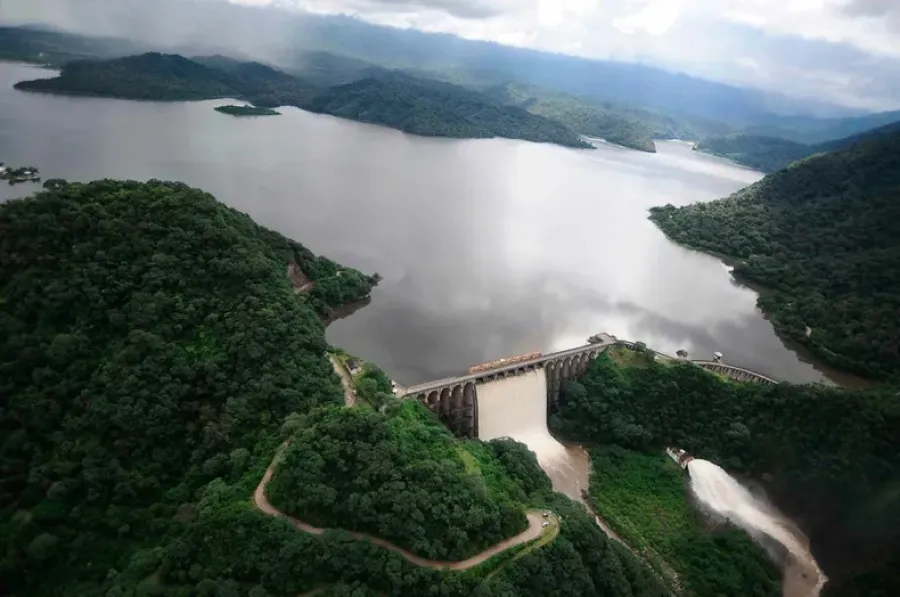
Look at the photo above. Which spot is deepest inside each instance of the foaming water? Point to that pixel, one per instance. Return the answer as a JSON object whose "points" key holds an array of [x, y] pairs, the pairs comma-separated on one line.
{"points": [[721, 493], [516, 407]]}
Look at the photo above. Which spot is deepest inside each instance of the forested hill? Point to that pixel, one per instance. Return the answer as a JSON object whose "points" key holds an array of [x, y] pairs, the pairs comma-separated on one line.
{"points": [[170, 77], [148, 76], [422, 107], [150, 341], [824, 235], [433, 108], [770, 153], [588, 119], [154, 355]]}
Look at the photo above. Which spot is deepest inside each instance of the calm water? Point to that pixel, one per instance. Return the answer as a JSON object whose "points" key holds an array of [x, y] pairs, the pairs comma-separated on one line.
{"points": [[487, 248]]}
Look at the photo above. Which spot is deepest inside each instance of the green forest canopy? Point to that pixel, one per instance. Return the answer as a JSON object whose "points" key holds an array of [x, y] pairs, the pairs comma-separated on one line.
{"points": [[433, 108], [401, 478], [153, 355], [150, 339], [824, 236], [829, 458]]}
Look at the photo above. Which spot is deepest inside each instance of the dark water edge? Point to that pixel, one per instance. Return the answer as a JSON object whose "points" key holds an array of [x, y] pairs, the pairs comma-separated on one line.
{"points": [[839, 377]]}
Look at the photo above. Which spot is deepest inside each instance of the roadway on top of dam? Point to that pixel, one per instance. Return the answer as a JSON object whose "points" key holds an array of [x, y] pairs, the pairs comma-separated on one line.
{"points": [[431, 386], [738, 373]]}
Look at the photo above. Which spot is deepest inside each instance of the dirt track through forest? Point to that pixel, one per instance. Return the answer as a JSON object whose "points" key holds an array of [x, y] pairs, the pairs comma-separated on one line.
{"points": [[530, 534]]}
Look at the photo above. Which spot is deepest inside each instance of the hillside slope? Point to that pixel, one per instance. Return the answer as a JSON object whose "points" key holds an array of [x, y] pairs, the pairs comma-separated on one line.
{"points": [[771, 153], [150, 340], [824, 235], [433, 108], [149, 76]]}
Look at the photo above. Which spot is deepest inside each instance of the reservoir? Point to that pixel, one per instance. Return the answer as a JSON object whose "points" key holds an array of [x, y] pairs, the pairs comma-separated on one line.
{"points": [[488, 248]]}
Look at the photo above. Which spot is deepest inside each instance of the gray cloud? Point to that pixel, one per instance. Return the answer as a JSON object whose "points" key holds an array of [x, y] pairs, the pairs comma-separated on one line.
{"points": [[464, 9], [871, 8]]}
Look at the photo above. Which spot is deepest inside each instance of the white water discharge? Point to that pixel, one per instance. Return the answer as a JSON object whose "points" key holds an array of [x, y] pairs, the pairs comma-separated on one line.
{"points": [[516, 407], [722, 494]]}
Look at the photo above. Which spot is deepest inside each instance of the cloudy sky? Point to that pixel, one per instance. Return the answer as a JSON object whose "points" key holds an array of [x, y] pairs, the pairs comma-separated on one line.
{"points": [[845, 51]]}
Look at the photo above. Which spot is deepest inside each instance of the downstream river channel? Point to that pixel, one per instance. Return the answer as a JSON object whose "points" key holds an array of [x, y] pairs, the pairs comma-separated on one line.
{"points": [[488, 248]]}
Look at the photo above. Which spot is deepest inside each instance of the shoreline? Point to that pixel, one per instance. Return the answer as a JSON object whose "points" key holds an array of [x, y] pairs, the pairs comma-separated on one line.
{"points": [[839, 377]]}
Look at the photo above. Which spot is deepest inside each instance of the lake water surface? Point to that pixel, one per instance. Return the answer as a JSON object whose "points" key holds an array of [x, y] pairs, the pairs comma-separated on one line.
{"points": [[488, 248]]}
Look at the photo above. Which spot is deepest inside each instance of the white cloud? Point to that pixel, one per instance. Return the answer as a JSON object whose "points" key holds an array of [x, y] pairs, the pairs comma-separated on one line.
{"points": [[655, 18]]}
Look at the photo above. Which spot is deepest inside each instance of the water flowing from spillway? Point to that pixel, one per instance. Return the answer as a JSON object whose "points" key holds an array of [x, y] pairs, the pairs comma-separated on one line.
{"points": [[516, 407], [723, 495]]}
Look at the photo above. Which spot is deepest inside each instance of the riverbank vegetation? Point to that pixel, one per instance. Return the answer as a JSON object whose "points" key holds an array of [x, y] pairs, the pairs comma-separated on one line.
{"points": [[824, 237], [828, 457], [246, 111], [645, 498]]}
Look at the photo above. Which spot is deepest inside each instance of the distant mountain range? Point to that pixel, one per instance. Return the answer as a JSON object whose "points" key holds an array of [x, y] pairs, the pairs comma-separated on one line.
{"points": [[627, 104]]}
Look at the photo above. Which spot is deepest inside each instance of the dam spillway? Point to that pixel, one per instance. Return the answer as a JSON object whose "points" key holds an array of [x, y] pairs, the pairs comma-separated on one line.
{"points": [[516, 407]]}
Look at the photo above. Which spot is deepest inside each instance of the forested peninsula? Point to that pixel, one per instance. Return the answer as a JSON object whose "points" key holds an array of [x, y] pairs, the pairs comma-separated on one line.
{"points": [[417, 106], [433, 108], [823, 236], [828, 457], [154, 355]]}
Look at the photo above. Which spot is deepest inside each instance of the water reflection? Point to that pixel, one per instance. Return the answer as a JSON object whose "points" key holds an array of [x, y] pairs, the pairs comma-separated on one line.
{"points": [[488, 248]]}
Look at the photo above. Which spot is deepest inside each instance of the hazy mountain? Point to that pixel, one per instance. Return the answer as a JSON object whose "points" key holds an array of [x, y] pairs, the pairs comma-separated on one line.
{"points": [[771, 153]]}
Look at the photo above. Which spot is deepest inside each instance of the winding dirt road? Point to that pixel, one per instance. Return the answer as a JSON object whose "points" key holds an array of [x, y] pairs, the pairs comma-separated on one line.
{"points": [[346, 382], [530, 534]]}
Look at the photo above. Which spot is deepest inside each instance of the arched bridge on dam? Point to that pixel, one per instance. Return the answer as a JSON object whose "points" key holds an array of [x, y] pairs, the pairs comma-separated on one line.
{"points": [[455, 399]]}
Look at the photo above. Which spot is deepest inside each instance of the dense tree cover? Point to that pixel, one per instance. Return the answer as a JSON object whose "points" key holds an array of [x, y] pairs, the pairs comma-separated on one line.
{"points": [[824, 236], [580, 562], [374, 386], [170, 77], [150, 76], [433, 108], [645, 498], [398, 476], [829, 457], [149, 340], [246, 111], [226, 548]]}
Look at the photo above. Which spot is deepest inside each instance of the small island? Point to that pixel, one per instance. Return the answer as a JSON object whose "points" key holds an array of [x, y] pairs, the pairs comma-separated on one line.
{"points": [[247, 111], [18, 175]]}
